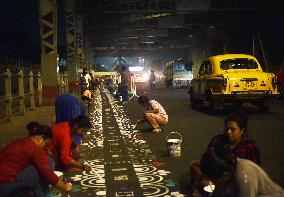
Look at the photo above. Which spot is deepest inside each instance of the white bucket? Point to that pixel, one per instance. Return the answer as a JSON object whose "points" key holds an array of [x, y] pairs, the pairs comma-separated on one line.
{"points": [[174, 144]]}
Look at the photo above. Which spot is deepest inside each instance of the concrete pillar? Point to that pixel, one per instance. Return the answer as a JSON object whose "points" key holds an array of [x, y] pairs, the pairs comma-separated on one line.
{"points": [[198, 55], [71, 39], [21, 93], [48, 31], [8, 95], [32, 90]]}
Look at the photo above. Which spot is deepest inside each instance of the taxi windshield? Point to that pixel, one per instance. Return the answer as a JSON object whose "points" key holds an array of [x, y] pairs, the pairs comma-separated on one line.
{"points": [[238, 63]]}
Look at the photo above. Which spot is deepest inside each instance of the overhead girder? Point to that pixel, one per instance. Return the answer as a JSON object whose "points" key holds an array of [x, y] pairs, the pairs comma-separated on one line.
{"points": [[136, 50], [127, 23], [89, 7]]}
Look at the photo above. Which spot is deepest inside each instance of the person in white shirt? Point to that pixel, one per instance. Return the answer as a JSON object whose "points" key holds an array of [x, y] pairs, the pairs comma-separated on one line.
{"points": [[155, 114], [235, 177]]}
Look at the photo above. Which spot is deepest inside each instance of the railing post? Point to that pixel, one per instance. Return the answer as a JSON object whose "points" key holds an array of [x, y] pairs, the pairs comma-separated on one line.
{"points": [[59, 83], [39, 89], [63, 83], [66, 82], [32, 90], [21, 93], [8, 95]]}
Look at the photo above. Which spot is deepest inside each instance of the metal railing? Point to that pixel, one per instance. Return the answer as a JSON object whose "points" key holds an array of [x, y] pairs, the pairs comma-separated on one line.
{"points": [[63, 82], [20, 91]]}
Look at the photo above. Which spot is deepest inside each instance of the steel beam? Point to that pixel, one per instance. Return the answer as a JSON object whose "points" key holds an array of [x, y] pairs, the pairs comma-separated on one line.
{"points": [[48, 33], [79, 42], [71, 39]]}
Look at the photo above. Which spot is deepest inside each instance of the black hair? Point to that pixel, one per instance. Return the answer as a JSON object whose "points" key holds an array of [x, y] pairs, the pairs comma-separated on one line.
{"points": [[34, 128], [143, 99], [215, 162], [81, 121], [240, 118]]}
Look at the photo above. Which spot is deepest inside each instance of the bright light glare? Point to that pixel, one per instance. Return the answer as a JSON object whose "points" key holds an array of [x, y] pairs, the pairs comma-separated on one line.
{"points": [[135, 68], [145, 76]]}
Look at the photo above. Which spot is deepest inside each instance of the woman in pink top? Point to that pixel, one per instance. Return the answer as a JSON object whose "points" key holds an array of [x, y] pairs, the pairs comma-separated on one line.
{"points": [[155, 114]]}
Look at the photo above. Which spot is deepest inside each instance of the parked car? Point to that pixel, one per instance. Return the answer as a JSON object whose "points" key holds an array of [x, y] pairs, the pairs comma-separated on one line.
{"points": [[232, 78], [280, 76]]}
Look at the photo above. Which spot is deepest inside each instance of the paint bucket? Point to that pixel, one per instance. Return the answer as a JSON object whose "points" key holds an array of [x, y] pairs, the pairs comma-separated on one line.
{"points": [[174, 144]]}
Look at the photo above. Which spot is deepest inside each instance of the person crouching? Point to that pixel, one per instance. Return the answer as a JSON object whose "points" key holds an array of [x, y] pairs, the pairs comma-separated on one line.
{"points": [[155, 114], [24, 164]]}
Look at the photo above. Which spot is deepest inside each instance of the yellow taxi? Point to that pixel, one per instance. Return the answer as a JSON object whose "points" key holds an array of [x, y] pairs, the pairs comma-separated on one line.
{"points": [[232, 78]]}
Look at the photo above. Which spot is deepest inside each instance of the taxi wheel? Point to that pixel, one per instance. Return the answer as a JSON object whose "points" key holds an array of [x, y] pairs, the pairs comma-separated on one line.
{"points": [[214, 105], [263, 106], [281, 91], [193, 101]]}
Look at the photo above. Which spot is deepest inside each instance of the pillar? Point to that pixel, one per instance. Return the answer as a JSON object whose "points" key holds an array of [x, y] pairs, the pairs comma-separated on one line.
{"points": [[79, 42], [71, 39], [198, 55], [48, 32]]}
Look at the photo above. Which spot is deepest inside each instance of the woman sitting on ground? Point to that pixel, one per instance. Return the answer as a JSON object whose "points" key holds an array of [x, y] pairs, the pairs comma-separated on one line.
{"points": [[155, 114], [24, 164], [61, 143], [236, 177], [235, 138]]}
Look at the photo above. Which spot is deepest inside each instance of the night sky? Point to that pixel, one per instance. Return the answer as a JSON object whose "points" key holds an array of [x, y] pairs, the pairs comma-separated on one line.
{"points": [[19, 29]]}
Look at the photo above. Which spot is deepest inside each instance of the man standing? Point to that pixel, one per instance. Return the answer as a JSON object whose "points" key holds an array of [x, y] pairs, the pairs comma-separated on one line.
{"points": [[152, 80], [124, 84]]}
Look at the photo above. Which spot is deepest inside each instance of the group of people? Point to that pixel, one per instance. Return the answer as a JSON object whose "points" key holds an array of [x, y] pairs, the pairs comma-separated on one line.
{"points": [[232, 164], [28, 164], [88, 81]]}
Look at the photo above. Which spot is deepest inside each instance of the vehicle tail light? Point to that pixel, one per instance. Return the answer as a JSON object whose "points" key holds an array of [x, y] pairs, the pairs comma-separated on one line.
{"points": [[235, 84], [263, 83]]}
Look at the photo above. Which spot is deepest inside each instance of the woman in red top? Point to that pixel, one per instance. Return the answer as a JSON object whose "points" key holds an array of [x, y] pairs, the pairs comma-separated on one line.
{"points": [[235, 139], [61, 142], [24, 164]]}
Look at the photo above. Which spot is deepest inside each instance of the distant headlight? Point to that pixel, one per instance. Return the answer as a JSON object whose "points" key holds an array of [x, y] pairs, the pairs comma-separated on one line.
{"points": [[145, 77]]}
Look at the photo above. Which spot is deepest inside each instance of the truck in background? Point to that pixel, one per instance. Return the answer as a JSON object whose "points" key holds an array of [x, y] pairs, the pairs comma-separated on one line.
{"points": [[178, 73]]}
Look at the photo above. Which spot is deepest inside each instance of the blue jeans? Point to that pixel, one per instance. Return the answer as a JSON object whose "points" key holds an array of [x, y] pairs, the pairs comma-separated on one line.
{"points": [[124, 93], [28, 178]]}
